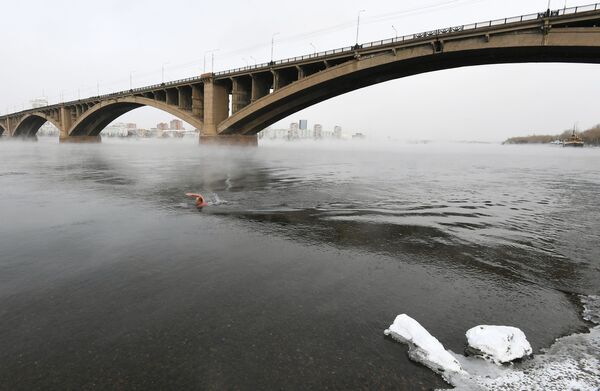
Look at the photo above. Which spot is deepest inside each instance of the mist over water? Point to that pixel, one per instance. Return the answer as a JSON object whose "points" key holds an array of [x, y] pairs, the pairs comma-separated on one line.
{"points": [[111, 278]]}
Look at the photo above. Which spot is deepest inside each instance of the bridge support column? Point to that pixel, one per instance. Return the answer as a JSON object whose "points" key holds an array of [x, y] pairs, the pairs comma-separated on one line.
{"points": [[198, 101], [81, 139], [216, 110], [230, 140], [7, 129], [260, 87], [216, 106], [240, 93], [65, 124]]}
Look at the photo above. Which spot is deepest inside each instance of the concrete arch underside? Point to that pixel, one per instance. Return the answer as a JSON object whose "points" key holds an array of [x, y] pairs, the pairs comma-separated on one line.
{"points": [[380, 68], [30, 124], [93, 121]]}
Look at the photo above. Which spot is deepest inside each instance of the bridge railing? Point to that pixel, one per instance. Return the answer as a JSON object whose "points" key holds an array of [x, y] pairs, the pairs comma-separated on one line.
{"points": [[417, 36], [486, 24], [287, 60]]}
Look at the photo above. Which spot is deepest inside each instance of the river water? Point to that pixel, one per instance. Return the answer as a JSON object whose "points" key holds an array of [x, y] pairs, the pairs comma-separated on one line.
{"points": [[111, 279]]}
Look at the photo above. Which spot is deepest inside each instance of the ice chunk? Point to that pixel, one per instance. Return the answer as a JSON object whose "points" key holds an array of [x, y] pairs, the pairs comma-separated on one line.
{"points": [[571, 363], [500, 344], [423, 347]]}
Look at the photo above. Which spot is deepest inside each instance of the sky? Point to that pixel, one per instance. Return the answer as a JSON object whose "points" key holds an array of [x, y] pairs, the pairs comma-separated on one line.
{"points": [[67, 49]]}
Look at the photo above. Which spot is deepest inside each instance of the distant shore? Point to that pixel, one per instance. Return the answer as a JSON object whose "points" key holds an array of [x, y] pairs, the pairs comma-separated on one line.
{"points": [[590, 137]]}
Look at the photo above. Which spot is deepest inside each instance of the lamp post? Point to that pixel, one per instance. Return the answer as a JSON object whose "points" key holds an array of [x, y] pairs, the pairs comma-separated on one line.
{"points": [[253, 59], [358, 24], [314, 48], [162, 68], [273, 45], [212, 61], [396, 31], [205, 53]]}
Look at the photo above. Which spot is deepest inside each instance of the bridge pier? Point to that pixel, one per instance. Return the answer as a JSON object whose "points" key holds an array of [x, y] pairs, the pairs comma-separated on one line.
{"points": [[80, 139], [230, 140], [216, 105], [241, 93]]}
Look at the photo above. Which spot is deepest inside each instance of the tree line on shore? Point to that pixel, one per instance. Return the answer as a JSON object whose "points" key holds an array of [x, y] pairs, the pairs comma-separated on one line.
{"points": [[590, 137]]}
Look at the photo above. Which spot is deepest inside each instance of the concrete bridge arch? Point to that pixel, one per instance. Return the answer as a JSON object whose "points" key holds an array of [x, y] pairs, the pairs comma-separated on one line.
{"points": [[233, 106], [93, 121], [31, 123], [368, 70]]}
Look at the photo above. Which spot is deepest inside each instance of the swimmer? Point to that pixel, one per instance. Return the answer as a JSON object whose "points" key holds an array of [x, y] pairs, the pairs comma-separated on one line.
{"points": [[200, 202]]}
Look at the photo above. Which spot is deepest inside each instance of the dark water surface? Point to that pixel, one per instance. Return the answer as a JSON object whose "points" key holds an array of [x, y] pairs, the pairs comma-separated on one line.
{"points": [[111, 279]]}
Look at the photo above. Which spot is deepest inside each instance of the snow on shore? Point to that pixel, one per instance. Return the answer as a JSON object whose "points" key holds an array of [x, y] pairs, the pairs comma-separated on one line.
{"points": [[571, 363], [499, 344]]}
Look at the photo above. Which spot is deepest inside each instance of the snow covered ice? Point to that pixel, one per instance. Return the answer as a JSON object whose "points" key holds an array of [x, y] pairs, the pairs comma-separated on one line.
{"points": [[423, 347], [571, 363], [500, 344]]}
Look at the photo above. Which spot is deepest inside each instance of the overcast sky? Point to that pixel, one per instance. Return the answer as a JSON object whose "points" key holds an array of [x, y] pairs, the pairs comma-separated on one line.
{"points": [[67, 47]]}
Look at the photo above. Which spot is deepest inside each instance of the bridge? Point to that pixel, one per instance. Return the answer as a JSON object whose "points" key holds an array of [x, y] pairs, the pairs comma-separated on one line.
{"points": [[233, 106]]}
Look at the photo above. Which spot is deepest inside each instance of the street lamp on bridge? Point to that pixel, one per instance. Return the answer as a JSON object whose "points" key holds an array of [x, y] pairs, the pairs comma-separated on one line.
{"points": [[212, 51], [358, 25], [273, 45], [163, 71], [396, 31]]}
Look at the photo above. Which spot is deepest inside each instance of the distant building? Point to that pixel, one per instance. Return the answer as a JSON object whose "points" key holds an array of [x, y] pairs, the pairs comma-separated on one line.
{"points": [[162, 126], [117, 129], [142, 132], [176, 124], [38, 102], [274, 134], [303, 124], [171, 133], [131, 126], [318, 131], [156, 132], [293, 132], [48, 129], [337, 132]]}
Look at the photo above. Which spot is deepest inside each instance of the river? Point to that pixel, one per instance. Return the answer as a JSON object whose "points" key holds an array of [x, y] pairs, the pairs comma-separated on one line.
{"points": [[110, 278]]}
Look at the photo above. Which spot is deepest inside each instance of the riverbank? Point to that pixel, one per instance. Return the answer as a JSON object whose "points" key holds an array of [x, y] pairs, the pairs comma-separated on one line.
{"points": [[590, 137]]}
